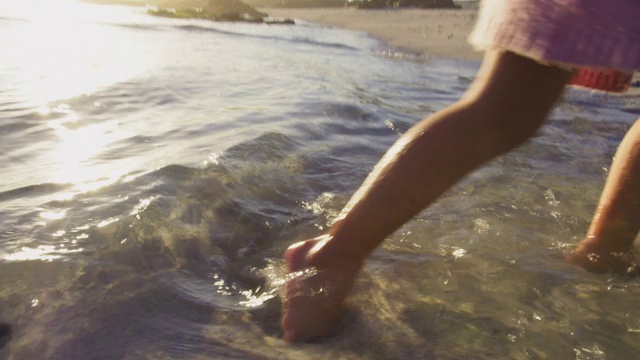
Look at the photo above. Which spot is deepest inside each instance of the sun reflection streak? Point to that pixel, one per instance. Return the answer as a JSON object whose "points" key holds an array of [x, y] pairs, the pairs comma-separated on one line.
{"points": [[58, 53], [76, 152], [42, 253], [76, 155], [59, 50], [142, 206], [50, 215]]}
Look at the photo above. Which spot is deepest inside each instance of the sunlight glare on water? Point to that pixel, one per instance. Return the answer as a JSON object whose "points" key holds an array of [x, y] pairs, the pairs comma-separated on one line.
{"points": [[61, 49], [42, 253], [57, 54], [79, 146]]}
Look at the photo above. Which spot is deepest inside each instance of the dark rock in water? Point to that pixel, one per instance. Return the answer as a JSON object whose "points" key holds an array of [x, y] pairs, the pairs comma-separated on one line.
{"points": [[234, 7], [423, 4], [280, 21], [221, 10], [297, 3], [204, 14], [5, 334], [429, 4]]}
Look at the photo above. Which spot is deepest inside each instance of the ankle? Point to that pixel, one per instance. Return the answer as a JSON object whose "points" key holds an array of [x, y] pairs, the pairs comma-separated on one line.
{"points": [[331, 251], [613, 240]]}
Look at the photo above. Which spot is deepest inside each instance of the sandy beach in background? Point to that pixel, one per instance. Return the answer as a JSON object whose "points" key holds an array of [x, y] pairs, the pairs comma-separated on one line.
{"points": [[437, 32]]}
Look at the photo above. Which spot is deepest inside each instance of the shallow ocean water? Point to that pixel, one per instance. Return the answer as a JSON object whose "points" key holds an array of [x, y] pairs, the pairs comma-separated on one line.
{"points": [[156, 169]]}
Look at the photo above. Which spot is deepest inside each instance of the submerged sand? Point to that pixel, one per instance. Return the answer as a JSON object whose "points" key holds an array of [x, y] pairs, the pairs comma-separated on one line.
{"points": [[435, 32]]}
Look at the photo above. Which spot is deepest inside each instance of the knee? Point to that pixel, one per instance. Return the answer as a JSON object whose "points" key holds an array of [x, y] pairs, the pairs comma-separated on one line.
{"points": [[513, 96]]}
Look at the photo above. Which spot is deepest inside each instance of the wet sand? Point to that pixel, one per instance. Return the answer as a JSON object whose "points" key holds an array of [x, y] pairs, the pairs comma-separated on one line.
{"points": [[436, 32]]}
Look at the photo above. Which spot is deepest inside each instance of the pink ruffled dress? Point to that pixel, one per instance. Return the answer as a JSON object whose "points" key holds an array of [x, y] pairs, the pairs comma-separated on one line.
{"points": [[600, 39]]}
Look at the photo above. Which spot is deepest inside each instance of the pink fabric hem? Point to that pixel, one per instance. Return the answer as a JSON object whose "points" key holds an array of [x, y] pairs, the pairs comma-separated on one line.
{"points": [[601, 34]]}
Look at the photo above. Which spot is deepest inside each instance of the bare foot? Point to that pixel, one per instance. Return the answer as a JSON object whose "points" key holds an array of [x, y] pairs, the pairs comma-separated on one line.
{"points": [[313, 299], [594, 256]]}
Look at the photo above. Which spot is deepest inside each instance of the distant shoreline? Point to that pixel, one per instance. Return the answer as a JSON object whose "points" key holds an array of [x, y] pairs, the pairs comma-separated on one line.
{"points": [[431, 32]]}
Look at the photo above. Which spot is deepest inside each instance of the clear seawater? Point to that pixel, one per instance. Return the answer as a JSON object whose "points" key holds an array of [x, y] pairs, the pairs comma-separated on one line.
{"points": [[154, 170]]}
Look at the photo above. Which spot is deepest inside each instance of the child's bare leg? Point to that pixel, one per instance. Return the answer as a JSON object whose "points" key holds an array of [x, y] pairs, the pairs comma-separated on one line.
{"points": [[616, 222], [508, 101]]}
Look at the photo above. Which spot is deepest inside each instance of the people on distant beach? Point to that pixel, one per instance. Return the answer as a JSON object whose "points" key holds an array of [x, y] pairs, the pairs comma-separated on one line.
{"points": [[533, 49]]}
